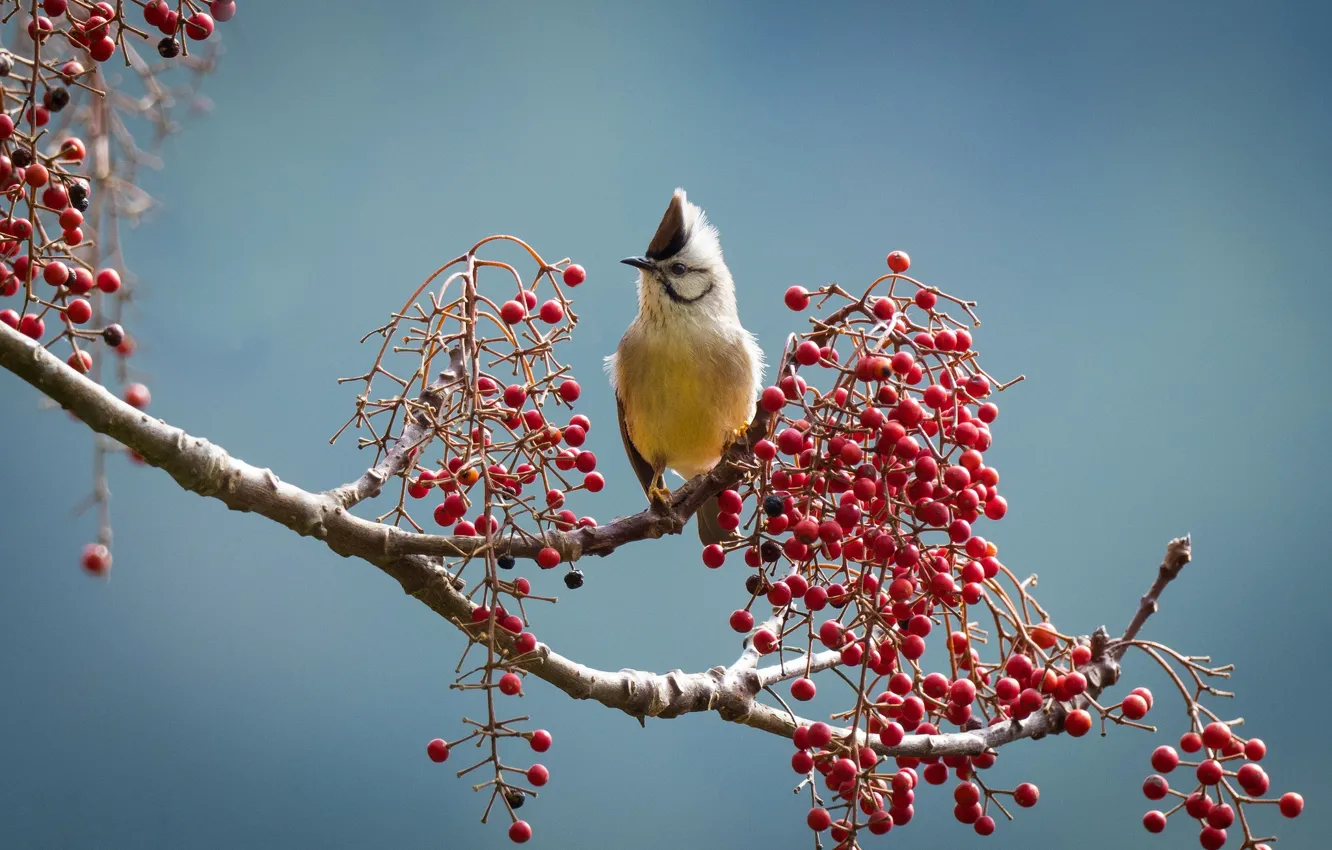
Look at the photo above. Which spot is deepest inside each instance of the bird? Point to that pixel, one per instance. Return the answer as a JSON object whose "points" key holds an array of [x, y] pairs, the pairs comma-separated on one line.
{"points": [[686, 373]]}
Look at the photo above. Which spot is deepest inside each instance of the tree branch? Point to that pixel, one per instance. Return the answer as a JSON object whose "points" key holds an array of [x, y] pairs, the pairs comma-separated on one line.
{"points": [[1178, 553], [202, 467], [416, 433]]}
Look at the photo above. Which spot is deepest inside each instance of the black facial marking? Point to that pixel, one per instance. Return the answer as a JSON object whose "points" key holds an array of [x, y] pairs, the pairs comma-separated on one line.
{"points": [[680, 299]]}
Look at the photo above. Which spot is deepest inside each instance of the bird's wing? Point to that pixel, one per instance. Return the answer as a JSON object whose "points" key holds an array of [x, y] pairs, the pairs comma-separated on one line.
{"points": [[642, 468]]}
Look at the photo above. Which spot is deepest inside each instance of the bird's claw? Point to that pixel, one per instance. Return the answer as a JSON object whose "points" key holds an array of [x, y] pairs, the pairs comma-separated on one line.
{"points": [[660, 499]]}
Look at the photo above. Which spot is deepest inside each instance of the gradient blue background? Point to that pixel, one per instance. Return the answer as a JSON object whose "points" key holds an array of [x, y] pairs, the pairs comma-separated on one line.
{"points": [[1139, 197]]}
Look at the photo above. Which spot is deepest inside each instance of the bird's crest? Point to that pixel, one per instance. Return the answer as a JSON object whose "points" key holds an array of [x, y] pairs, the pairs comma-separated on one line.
{"points": [[673, 232]]}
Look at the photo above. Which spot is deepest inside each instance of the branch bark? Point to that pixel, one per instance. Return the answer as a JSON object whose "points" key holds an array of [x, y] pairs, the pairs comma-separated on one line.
{"points": [[204, 468]]}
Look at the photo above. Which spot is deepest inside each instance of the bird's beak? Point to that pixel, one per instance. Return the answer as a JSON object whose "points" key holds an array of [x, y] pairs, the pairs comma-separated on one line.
{"points": [[638, 262]]}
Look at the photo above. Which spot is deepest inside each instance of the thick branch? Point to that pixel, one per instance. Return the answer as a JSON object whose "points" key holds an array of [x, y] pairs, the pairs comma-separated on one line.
{"points": [[204, 468]]}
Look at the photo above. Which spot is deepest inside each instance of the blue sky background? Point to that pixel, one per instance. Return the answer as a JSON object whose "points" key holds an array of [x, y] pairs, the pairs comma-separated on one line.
{"points": [[1139, 197]]}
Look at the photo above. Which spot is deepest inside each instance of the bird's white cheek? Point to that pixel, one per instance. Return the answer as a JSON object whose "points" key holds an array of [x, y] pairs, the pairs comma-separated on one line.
{"points": [[689, 286]]}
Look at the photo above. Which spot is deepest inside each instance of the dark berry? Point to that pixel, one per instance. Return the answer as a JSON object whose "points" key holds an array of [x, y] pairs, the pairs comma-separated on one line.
{"points": [[756, 584], [573, 579], [21, 157], [772, 505], [57, 98], [515, 797], [168, 48], [113, 335], [770, 551], [505, 562]]}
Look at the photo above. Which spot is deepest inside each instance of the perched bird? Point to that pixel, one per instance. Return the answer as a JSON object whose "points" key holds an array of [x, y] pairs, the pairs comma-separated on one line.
{"points": [[686, 374]]}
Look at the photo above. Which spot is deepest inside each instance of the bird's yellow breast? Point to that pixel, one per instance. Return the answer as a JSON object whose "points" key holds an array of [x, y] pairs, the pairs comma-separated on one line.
{"points": [[684, 396]]}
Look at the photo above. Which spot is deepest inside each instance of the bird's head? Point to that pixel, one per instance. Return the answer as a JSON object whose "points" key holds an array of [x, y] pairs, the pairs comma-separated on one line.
{"points": [[683, 269]]}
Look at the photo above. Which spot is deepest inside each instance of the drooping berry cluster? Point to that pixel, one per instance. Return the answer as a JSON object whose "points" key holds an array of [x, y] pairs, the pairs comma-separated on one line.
{"points": [[860, 525], [473, 430], [61, 269]]}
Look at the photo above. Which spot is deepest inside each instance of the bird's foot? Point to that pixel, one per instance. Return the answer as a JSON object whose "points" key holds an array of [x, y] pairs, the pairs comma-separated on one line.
{"points": [[660, 499]]}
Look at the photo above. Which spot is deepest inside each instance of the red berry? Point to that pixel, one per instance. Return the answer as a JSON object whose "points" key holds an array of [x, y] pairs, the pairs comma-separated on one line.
{"points": [[1216, 735], [438, 751], [541, 740], [574, 274], [797, 298], [510, 684], [519, 832], [55, 273], [108, 280], [742, 621], [96, 559], [552, 312], [1165, 759], [1291, 804], [1134, 707], [1211, 838], [713, 557], [1190, 742], [512, 312], [1154, 821], [31, 326], [78, 311], [803, 690], [36, 174], [223, 10], [80, 361], [1253, 779], [1026, 795], [1142, 692], [899, 262], [570, 390], [538, 775], [807, 353], [548, 558], [1210, 772], [137, 395], [1221, 816], [199, 26], [514, 395], [730, 502], [818, 819], [1155, 787], [1078, 723]]}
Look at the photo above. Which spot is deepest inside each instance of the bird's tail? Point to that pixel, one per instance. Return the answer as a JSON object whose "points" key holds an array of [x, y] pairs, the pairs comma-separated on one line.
{"points": [[709, 530]]}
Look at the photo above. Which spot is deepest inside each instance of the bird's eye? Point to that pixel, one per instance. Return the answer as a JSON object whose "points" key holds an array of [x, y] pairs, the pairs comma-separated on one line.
{"points": [[678, 269]]}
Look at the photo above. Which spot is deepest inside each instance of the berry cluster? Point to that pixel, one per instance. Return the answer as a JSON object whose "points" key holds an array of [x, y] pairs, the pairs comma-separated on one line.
{"points": [[1219, 750], [60, 263], [859, 520], [477, 440]]}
